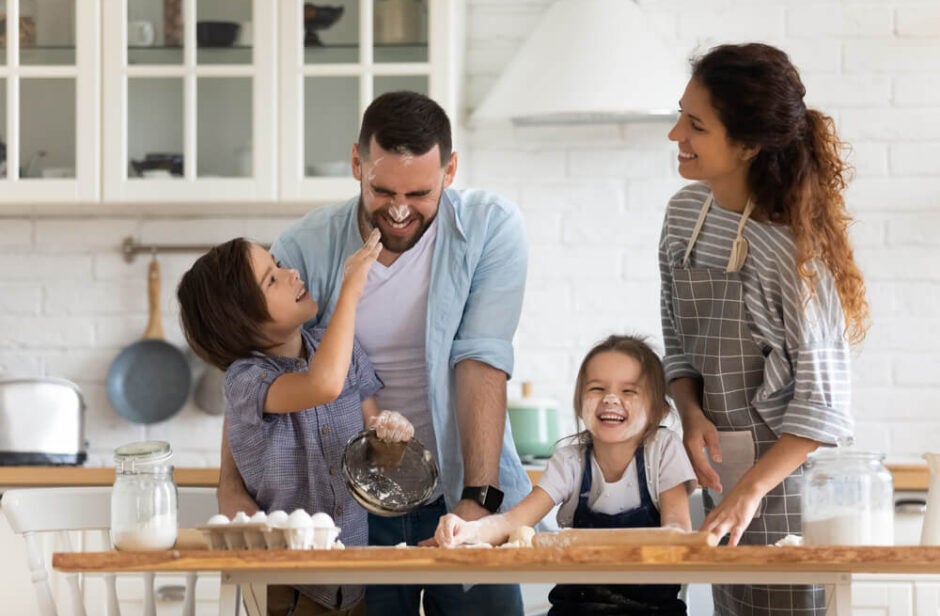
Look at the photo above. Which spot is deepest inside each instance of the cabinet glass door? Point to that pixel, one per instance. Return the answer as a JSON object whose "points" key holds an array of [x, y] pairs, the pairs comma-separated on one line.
{"points": [[195, 82], [49, 74], [349, 52]]}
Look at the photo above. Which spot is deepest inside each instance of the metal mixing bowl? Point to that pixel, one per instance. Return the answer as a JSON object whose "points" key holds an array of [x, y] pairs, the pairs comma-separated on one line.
{"points": [[388, 479]]}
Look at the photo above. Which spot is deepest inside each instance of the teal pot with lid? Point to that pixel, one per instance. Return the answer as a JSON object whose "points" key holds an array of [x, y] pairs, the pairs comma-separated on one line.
{"points": [[534, 423]]}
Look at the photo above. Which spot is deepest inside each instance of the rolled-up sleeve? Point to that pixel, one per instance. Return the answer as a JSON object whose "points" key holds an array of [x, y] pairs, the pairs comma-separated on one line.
{"points": [[675, 362], [491, 312], [815, 362]]}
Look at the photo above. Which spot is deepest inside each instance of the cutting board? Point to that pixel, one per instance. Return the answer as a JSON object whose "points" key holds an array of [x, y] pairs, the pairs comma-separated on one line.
{"points": [[622, 536]]}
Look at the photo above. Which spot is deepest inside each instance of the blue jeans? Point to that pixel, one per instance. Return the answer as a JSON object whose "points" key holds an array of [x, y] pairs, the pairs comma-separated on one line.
{"points": [[439, 599]]}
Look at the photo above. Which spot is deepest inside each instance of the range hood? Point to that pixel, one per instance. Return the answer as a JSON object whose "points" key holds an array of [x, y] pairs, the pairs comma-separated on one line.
{"points": [[586, 62]]}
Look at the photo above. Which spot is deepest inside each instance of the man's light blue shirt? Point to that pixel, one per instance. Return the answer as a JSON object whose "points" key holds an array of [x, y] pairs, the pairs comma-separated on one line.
{"points": [[474, 301]]}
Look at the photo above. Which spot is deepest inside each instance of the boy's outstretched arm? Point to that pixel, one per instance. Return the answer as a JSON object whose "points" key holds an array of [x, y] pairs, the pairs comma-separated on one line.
{"points": [[325, 376]]}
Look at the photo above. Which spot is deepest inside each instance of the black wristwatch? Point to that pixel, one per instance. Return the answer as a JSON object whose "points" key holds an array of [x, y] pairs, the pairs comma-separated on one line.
{"points": [[489, 497]]}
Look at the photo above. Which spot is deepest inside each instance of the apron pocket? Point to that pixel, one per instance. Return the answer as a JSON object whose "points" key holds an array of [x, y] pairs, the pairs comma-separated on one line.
{"points": [[738, 456]]}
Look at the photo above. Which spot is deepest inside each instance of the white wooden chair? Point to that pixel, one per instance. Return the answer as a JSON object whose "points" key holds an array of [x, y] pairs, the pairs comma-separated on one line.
{"points": [[35, 512]]}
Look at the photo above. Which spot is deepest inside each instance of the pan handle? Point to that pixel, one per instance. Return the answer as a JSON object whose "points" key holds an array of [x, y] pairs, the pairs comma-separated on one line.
{"points": [[155, 322]]}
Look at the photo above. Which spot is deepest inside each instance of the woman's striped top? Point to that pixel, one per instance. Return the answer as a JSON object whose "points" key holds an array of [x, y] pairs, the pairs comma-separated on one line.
{"points": [[801, 331]]}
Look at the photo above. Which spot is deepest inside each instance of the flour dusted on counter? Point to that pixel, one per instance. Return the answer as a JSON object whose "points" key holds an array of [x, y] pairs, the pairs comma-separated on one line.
{"points": [[157, 533]]}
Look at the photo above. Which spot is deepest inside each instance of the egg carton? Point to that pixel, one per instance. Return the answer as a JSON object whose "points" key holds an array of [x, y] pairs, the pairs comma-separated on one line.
{"points": [[261, 536]]}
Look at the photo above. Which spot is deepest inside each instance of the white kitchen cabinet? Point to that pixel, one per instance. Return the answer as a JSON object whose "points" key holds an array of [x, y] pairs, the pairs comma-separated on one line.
{"points": [[49, 101], [184, 121], [901, 594], [377, 46], [104, 84]]}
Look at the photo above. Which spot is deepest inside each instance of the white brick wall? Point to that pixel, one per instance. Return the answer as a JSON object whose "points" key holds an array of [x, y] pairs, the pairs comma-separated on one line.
{"points": [[871, 65], [593, 198], [69, 303]]}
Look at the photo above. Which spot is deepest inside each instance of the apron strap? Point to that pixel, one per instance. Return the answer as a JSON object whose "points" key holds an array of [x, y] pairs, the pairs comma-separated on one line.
{"points": [[738, 247]]}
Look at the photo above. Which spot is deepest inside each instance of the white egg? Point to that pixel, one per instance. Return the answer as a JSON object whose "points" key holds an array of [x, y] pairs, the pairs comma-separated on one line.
{"points": [[277, 518], [240, 518], [321, 520], [298, 519], [259, 516], [217, 519]]}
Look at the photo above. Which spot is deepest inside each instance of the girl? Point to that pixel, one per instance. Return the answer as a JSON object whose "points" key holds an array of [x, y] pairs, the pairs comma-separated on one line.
{"points": [[293, 397], [760, 297], [621, 471]]}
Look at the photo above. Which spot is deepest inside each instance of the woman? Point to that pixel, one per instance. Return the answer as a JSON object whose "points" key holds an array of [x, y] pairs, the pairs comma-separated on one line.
{"points": [[761, 297]]}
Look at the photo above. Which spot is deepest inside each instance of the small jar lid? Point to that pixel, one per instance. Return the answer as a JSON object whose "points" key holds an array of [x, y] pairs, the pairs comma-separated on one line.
{"points": [[143, 452]]}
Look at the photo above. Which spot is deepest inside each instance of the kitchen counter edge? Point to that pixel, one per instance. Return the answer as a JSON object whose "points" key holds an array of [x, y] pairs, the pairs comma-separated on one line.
{"points": [[906, 476], [40, 476]]}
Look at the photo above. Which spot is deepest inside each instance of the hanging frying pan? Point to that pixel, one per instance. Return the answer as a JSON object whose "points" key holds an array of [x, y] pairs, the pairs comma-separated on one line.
{"points": [[149, 380]]}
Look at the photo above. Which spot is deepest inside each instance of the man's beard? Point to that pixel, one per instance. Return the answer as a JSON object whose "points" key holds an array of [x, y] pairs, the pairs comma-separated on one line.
{"points": [[395, 243]]}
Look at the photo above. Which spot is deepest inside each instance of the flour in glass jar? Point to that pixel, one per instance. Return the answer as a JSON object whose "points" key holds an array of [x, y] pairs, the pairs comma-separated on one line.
{"points": [[859, 528], [157, 533]]}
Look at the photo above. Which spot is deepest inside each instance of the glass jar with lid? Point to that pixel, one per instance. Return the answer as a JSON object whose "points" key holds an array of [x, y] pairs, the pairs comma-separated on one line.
{"points": [[144, 498], [847, 499]]}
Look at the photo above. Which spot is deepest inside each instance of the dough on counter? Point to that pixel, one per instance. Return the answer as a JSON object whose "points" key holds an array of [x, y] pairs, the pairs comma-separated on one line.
{"points": [[522, 536], [790, 540]]}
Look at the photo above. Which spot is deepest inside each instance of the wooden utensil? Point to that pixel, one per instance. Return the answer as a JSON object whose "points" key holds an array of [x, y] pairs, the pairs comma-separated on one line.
{"points": [[149, 380], [622, 536]]}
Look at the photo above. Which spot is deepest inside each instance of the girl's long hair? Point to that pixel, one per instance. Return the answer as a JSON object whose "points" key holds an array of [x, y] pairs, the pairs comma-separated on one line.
{"points": [[798, 175]]}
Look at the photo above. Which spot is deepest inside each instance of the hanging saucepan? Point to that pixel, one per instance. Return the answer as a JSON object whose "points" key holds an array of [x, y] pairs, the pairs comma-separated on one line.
{"points": [[207, 393], [149, 380], [534, 423]]}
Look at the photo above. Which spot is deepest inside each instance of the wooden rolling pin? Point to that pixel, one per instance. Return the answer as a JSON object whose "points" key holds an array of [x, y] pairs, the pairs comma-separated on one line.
{"points": [[622, 536]]}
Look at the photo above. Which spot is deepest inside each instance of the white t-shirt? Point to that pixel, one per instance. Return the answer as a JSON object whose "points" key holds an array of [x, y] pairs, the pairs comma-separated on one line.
{"points": [[390, 324], [667, 466]]}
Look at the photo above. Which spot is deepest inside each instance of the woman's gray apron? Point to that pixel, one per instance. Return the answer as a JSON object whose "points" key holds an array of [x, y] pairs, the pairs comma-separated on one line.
{"points": [[713, 324]]}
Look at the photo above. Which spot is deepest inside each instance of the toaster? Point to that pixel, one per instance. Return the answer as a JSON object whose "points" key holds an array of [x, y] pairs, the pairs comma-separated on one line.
{"points": [[41, 422]]}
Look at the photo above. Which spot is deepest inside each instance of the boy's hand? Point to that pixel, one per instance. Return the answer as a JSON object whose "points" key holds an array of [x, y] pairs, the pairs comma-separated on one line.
{"points": [[392, 427], [356, 269]]}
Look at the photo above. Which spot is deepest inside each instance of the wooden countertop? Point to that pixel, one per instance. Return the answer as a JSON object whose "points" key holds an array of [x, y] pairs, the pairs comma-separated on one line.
{"points": [[906, 476], [37, 476], [844, 559]]}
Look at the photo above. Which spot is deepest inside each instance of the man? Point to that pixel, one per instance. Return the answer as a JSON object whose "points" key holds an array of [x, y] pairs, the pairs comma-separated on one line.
{"points": [[436, 318]]}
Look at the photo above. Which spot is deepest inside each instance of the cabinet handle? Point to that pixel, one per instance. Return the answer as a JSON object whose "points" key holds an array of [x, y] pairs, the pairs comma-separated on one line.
{"points": [[171, 593]]}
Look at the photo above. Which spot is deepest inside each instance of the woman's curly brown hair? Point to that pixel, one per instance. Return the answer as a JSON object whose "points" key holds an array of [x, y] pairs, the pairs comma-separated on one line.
{"points": [[798, 175]]}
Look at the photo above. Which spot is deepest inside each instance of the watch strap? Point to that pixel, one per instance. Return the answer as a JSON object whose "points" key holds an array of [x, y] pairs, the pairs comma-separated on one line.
{"points": [[489, 497]]}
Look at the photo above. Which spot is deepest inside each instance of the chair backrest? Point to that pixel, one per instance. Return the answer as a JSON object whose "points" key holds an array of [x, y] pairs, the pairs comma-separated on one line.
{"points": [[36, 511]]}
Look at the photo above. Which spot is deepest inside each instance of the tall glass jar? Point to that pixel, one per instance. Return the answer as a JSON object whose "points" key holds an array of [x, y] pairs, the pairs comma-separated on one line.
{"points": [[848, 498], [144, 498]]}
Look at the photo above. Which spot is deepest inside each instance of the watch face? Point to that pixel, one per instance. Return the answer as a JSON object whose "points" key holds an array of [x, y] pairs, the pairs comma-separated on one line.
{"points": [[488, 497]]}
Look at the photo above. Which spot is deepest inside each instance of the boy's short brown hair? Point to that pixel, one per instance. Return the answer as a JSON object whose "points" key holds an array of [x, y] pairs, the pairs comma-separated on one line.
{"points": [[222, 307]]}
